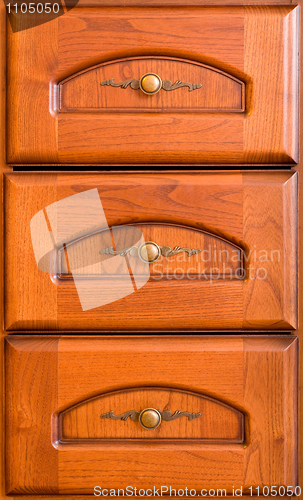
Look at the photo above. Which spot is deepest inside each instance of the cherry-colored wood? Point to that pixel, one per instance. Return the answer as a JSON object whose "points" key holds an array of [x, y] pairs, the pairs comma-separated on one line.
{"points": [[254, 211], [158, 3], [256, 376], [64, 106], [38, 362], [222, 259], [3, 168], [218, 422], [45, 140], [80, 93]]}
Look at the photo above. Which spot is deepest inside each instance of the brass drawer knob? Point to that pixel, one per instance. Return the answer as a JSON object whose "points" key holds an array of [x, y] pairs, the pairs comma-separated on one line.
{"points": [[150, 252], [150, 83], [150, 418]]}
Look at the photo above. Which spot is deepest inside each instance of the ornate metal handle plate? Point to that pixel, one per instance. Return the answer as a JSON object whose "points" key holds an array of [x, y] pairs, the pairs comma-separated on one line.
{"points": [[151, 418], [151, 84], [150, 252]]}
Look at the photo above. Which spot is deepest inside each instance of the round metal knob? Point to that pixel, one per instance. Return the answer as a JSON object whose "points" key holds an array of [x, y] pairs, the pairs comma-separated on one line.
{"points": [[149, 252], [150, 83], [150, 418]]}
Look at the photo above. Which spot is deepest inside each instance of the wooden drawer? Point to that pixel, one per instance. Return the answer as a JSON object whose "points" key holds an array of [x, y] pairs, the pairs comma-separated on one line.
{"points": [[64, 392], [239, 105], [226, 245]]}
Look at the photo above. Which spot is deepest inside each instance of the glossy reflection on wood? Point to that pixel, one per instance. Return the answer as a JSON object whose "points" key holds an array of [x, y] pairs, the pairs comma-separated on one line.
{"points": [[80, 93], [229, 50], [224, 258], [255, 377], [217, 421], [253, 211]]}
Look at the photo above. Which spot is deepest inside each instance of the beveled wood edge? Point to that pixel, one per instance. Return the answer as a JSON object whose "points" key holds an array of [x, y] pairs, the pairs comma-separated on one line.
{"points": [[60, 83], [260, 168], [286, 330], [288, 323], [68, 277], [258, 343], [182, 3], [18, 336], [12, 350], [4, 167], [160, 167], [287, 159], [241, 417], [291, 248]]}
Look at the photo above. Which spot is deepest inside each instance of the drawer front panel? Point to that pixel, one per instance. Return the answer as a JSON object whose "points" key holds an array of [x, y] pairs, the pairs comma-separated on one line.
{"points": [[223, 258], [80, 93], [220, 422], [220, 86], [239, 395], [151, 252]]}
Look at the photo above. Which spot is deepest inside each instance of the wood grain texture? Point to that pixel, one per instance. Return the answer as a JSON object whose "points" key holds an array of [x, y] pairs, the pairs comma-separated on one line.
{"points": [[215, 36], [3, 168], [218, 422], [29, 417], [266, 116], [262, 197], [217, 257], [21, 46], [244, 373], [252, 211], [255, 357], [83, 91], [43, 298], [300, 280], [157, 3]]}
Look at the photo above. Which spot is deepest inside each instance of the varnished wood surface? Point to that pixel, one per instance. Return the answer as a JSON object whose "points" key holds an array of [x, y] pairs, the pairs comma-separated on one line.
{"points": [[254, 44], [300, 284], [5, 167], [83, 91], [264, 116], [217, 422], [39, 362], [221, 257], [255, 375], [256, 211], [137, 3]]}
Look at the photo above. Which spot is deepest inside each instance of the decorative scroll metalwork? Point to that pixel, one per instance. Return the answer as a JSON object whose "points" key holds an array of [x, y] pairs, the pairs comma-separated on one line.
{"points": [[166, 415], [167, 85], [166, 251], [125, 251], [133, 82], [132, 414]]}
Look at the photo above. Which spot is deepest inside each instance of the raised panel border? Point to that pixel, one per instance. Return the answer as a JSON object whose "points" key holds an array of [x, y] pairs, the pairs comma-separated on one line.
{"points": [[63, 86], [196, 397]]}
